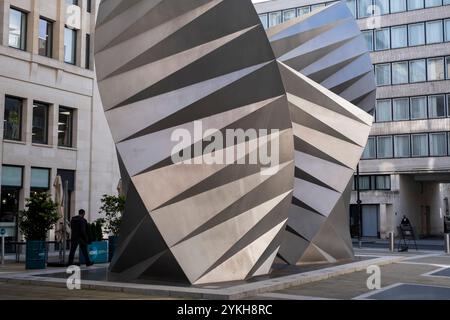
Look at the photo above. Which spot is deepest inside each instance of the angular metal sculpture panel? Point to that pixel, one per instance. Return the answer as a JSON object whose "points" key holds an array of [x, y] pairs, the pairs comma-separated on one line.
{"points": [[329, 132], [167, 66], [327, 46]]}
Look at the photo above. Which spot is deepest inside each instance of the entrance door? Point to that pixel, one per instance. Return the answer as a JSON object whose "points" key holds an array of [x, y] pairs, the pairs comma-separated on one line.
{"points": [[370, 218]]}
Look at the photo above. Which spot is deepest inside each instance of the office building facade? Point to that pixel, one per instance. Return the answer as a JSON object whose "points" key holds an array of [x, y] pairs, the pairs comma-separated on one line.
{"points": [[405, 167], [52, 118]]}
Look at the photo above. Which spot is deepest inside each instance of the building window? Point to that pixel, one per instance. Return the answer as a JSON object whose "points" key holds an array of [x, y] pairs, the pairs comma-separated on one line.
{"points": [[399, 72], [383, 111], [436, 106], [436, 70], [364, 183], [289, 14], [72, 2], [40, 180], [415, 4], [275, 18], [416, 34], [447, 67], [402, 147], [302, 11], [17, 29], [364, 8], [351, 4], [368, 36], [88, 51], [417, 71], [264, 21], [419, 145], [65, 127], [382, 39], [89, 6], [12, 178], [448, 105], [418, 108], [399, 37], [438, 144], [40, 123], [317, 6], [400, 109], [45, 37], [70, 45], [384, 147], [13, 119], [447, 30], [383, 182], [382, 6], [383, 74], [433, 3], [398, 6], [434, 32], [370, 152]]}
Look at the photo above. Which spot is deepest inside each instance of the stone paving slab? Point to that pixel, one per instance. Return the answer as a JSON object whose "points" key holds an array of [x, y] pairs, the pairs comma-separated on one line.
{"points": [[228, 293]]}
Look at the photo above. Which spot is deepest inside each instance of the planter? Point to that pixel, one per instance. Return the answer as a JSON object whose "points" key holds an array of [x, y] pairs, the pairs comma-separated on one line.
{"points": [[36, 257], [98, 252], [113, 242]]}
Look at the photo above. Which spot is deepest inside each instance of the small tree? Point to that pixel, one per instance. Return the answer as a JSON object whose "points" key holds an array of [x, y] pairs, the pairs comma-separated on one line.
{"points": [[39, 216], [96, 230], [112, 208]]}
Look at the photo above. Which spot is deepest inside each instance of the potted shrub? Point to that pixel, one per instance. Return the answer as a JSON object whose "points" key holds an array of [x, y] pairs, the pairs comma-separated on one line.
{"points": [[112, 209], [97, 248], [39, 217]]}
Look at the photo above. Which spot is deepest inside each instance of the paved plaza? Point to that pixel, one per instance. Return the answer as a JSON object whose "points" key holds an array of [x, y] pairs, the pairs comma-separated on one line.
{"points": [[411, 275]]}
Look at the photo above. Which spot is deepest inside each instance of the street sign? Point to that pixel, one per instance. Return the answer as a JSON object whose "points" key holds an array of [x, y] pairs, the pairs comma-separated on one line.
{"points": [[7, 232], [3, 232]]}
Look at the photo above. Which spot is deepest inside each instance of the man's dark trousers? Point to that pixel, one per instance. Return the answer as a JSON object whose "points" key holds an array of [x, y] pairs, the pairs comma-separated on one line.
{"points": [[83, 251]]}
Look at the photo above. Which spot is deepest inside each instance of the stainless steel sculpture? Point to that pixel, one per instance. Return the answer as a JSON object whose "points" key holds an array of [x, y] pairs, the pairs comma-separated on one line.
{"points": [[162, 65], [330, 133], [166, 65]]}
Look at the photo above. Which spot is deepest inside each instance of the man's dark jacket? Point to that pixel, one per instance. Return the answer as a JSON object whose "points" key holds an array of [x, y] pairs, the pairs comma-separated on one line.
{"points": [[79, 230]]}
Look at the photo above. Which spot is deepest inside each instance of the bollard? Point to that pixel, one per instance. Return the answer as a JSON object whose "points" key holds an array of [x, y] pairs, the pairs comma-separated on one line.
{"points": [[447, 243], [391, 241]]}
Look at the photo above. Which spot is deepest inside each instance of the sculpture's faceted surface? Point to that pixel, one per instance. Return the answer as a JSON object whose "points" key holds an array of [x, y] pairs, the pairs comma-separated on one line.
{"points": [[162, 66], [327, 46], [329, 132]]}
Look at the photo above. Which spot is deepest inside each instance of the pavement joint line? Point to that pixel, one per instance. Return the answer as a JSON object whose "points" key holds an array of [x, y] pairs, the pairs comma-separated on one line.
{"points": [[230, 293], [432, 273], [367, 295], [290, 296], [444, 266]]}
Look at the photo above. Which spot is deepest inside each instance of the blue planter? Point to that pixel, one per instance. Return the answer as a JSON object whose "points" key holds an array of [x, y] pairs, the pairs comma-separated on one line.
{"points": [[36, 257], [98, 252], [113, 242]]}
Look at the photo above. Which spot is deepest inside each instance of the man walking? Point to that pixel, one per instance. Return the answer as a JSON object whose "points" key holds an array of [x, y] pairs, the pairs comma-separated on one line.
{"points": [[79, 237]]}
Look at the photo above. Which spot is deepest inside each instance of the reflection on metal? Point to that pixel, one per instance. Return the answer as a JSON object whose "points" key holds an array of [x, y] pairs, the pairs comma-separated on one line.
{"points": [[329, 132], [327, 46], [164, 65], [161, 66]]}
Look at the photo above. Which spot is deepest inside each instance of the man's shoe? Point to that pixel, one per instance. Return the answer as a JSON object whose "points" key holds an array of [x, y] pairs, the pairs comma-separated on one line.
{"points": [[89, 264]]}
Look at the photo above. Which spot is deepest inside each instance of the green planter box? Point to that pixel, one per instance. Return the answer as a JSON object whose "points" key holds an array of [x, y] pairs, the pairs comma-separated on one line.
{"points": [[98, 252], [36, 256]]}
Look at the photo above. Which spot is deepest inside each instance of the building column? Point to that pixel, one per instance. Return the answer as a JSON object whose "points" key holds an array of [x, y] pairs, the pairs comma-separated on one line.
{"points": [[27, 122], [33, 28], [4, 21], [58, 42]]}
